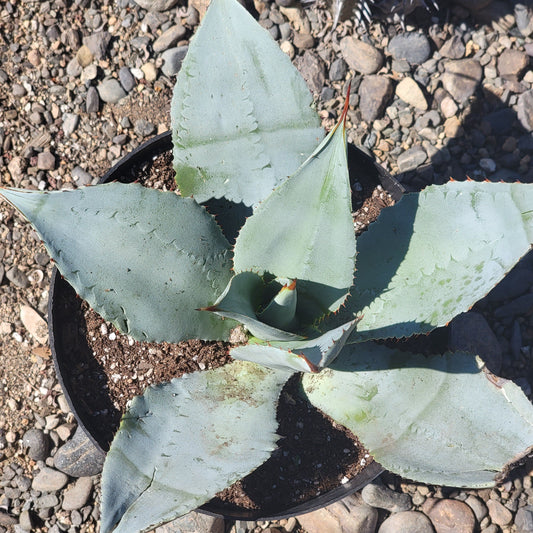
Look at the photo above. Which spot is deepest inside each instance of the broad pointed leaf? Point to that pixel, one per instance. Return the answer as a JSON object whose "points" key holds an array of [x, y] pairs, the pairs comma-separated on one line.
{"points": [[241, 115], [435, 253], [143, 259], [182, 442], [240, 300], [302, 356], [437, 419], [304, 229]]}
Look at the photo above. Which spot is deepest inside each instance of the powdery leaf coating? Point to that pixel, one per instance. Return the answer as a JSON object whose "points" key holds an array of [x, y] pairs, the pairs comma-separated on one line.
{"points": [[242, 122], [437, 420], [304, 229], [301, 356], [434, 254], [138, 256], [184, 441]]}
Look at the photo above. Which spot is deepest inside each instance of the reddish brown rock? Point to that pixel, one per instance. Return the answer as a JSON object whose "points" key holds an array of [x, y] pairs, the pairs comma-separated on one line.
{"points": [[375, 93], [450, 516]]}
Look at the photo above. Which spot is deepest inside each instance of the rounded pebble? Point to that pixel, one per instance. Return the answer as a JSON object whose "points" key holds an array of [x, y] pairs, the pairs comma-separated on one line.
{"points": [[36, 443], [407, 522]]}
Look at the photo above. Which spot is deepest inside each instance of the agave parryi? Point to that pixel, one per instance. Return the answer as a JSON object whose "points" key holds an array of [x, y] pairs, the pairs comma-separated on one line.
{"points": [[241, 126]]}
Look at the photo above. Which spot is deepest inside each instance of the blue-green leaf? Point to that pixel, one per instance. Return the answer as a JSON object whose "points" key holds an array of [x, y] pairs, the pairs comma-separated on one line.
{"points": [[143, 259], [184, 441], [438, 420], [434, 254], [304, 229], [302, 356], [241, 113]]}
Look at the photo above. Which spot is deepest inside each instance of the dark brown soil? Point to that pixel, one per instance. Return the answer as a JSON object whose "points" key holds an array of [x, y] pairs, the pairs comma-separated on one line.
{"points": [[106, 369]]}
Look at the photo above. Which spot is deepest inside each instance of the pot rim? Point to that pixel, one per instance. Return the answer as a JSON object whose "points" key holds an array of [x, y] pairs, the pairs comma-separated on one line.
{"points": [[150, 149]]}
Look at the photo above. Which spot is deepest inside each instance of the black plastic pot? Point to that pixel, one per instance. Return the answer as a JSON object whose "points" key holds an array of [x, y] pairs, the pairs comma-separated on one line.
{"points": [[66, 358]]}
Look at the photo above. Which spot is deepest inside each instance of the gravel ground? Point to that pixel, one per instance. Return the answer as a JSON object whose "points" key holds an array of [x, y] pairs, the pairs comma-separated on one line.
{"points": [[82, 83]]}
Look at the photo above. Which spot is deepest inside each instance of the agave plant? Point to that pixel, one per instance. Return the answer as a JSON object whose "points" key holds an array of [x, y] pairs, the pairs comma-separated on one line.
{"points": [[241, 125]]}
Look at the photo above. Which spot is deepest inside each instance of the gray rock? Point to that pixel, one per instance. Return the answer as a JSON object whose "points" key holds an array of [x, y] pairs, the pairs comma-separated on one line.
{"points": [[338, 70], [461, 78], [285, 31], [478, 506], [17, 90], [407, 522], [110, 91], [26, 521], [46, 501], [521, 305], [524, 19], [453, 48], [90, 72], [49, 480], [523, 519], [97, 43], [524, 110], [76, 497], [173, 58], [156, 5], [74, 69], [488, 165], [411, 159], [169, 38], [143, 127], [375, 93], [471, 332], [70, 123], [361, 56], [46, 161], [17, 277], [81, 177], [126, 79], [79, 457], [327, 94], [411, 47], [23, 483], [380, 496], [6, 519], [92, 100], [346, 516], [193, 523], [36, 443], [500, 121]]}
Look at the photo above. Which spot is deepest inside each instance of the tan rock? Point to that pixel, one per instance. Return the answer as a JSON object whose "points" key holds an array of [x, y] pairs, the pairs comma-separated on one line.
{"points": [[35, 325], [341, 517], [453, 128], [84, 56], [361, 56], [448, 107], [297, 18], [410, 92], [150, 71]]}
